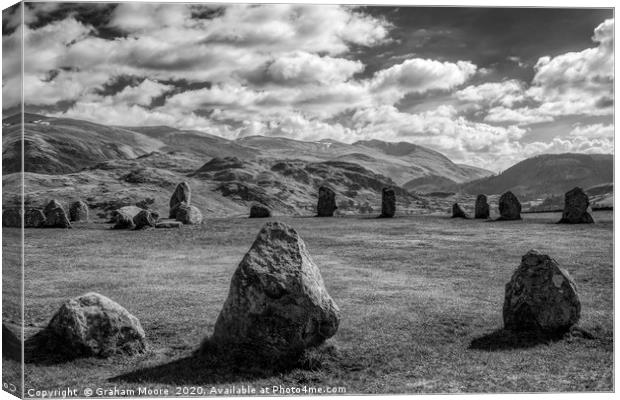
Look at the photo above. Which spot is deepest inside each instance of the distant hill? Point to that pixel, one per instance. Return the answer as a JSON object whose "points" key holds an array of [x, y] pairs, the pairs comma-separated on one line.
{"points": [[63, 145], [547, 175], [401, 161]]}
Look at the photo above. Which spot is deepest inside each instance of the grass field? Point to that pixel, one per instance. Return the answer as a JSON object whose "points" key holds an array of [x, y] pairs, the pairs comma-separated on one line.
{"points": [[420, 296]]}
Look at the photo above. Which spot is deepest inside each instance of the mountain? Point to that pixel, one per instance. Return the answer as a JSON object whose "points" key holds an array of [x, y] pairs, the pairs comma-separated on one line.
{"points": [[401, 161], [63, 145], [547, 175]]}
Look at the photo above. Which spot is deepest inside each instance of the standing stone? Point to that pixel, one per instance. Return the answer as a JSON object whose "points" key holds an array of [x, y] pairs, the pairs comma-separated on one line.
{"points": [[457, 211], [540, 296], [12, 217], [576, 205], [259, 211], [94, 325], [55, 215], [277, 304], [182, 194], [388, 203], [78, 211], [34, 218], [327, 202], [482, 207], [188, 215], [144, 219], [509, 207], [123, 220]]}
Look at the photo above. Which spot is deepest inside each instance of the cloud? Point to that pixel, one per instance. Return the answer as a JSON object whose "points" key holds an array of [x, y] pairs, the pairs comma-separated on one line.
{"points": [[519, 116], [506, 94], [306, 68], [573, 83], [594, 131], [297, 71], [419, 76]]}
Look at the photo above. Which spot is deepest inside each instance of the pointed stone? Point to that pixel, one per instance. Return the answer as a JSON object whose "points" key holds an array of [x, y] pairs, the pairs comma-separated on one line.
{"points": [[181, 194], [540, 296], [277, 305], [457, 211]]}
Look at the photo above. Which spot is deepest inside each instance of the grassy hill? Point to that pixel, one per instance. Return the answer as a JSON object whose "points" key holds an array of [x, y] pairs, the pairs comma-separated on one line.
{"points": [[548, 174]]}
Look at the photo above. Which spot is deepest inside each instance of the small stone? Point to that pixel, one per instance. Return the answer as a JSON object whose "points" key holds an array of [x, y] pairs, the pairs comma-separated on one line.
{"points": [[388, 203], [55, 216], [123, 220], [482, 209], [12, 217], [457, 211], [188, 215], [78, 211], [259, 211], [509, 207], [576, 203], [181, 194], [34, 218], [327, 202], [144, 219]]}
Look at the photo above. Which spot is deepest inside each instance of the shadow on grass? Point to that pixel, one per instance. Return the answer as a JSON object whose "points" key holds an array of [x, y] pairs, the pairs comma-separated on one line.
{"points": [[211, 366], [503, 339], [44, 348]]}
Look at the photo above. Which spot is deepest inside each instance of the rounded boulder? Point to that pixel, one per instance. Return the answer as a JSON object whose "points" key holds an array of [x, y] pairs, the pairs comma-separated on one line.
{"points": [[94, 325], [540, 296]]}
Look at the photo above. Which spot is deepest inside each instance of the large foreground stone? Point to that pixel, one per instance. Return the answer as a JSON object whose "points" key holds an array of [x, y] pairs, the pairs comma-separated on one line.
{"points": [[12, 217], [144, 219], [93, 325], [55, 216], [540, 296], [482, 209], [576, 204], [327, 202], [259, 211], [277, 304], [509, 207], [188, 215], [457, 211], [78, 211], [388, 203], [34, 218], [182, 194]]}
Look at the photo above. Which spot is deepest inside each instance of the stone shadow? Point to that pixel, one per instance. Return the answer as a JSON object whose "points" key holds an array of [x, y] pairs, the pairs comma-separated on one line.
{"points": [[210, 365], [504, 339]]}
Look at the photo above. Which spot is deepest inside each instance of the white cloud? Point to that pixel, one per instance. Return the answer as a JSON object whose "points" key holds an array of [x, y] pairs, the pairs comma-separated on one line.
{"points": [[418, 76], [519, 116], [594, 131], [574, 83], [303, 68], [506, 94]]}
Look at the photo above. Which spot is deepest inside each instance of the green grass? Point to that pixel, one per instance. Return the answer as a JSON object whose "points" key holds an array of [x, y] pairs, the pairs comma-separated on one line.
{"points": [[414, 293]]}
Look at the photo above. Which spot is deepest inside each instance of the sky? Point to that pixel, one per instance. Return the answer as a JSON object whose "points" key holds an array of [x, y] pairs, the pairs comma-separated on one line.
{"points": [[486, 87]]}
